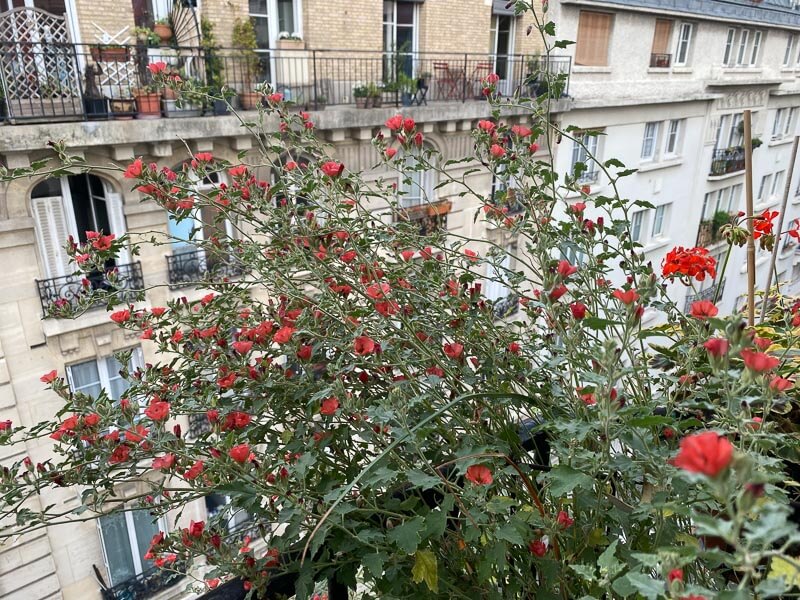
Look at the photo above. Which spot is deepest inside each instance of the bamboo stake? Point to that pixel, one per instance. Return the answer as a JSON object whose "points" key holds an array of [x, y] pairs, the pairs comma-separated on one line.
{"points": [[751, 245], [786, 189]]}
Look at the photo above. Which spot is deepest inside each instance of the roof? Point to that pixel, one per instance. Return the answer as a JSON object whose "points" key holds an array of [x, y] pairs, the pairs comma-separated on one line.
{"points": [[779, 13]]}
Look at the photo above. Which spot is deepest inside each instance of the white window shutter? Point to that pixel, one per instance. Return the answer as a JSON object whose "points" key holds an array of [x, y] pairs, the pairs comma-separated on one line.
{"points": [[116, 218], [52, 233]]}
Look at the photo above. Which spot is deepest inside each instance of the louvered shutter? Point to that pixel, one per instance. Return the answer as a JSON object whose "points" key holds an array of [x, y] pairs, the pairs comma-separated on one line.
{"points": [[52, 232], [116, 218], [662, 36], [594, 30]]}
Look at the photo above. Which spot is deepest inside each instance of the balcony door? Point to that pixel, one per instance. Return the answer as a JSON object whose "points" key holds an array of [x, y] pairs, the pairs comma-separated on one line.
{"points": [[71, 206], [502, 50], [125, 537], [399, 38]]}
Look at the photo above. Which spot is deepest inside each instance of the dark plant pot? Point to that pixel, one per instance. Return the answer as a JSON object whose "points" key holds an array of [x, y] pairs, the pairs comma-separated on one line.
{"points": [[377, 101], [405, 98], [221, 108], [361, 102], [95, 108], [148, 106], [172, 111], [123, 108]]}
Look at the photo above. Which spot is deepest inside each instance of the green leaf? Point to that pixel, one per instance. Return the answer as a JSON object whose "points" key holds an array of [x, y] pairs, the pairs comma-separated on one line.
{"points": [[782, 568], [564, 479], [650, 421], [406, 536], [510, 534], [425, 569], [374, 563], [639, 582], [585, 571], [608, 562], [422, 480]]}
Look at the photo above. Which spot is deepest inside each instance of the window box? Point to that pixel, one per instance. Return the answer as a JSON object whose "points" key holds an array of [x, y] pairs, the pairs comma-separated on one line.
{"points": [[110, 53], [172, 111]]}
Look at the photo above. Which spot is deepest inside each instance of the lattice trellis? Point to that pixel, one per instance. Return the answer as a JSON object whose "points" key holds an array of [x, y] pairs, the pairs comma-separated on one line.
{"points": [[118, 78], [38, 58]]}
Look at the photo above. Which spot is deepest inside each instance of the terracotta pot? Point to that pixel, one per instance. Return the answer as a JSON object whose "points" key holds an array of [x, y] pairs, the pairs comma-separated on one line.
{"points": [[169, 94], [249, 100], [440, 208], [148, 105], [163, 31], [110, 53]]}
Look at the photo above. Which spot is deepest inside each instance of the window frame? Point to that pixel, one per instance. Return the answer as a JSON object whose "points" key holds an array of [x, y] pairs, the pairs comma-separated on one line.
{"points": [[585, 149], [638, 229], [101, 363], [684, 25], [653, 141], [660, 220], [133, 542], [730, 43], [672, 138], [765, 186], [789, 52]]}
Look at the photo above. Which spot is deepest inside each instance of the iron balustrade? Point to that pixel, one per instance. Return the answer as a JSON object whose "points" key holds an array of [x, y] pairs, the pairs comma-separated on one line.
{"points": [[660, 61], [66, 82], [196, 266], [727, 160], [506, 307], [145, 585], [708, 293], [68, 289]]}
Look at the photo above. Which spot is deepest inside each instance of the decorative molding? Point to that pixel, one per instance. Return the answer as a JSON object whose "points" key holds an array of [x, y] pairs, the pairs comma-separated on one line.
{"points": [[161, 149], [743, 99]]}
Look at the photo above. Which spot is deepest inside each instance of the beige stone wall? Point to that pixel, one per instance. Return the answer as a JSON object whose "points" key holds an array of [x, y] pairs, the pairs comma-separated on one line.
{"points": [[343, 24], [222, 14], [98, 16], [455, 26]]}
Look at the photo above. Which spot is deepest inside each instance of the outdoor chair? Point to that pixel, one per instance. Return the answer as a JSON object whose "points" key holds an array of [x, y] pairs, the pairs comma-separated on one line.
{"points": [[449, 80]]}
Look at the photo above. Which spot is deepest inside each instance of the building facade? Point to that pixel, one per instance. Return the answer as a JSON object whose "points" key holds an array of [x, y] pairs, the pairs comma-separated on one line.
{"points": [[667, 84], [75, 71]]}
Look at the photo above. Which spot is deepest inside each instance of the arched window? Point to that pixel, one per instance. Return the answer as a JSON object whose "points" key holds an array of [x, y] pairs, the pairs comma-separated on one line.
{"points": [[416, 186], [72, 206]]}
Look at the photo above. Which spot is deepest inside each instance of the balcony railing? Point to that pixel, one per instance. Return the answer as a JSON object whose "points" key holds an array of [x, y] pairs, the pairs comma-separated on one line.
{"points": [[707, 294], [144, 585], [660, 61], [710, 230], [68, 290], [62, 82], [727, 160], [196, 266], [505, 307]]}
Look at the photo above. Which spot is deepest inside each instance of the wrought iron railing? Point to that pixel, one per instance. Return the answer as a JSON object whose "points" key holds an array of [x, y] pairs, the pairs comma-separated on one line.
{"points": [[708, 293], [727, 160], [711, 230], [197, 266], [145, 585], [198, 425], [58, 82], [68, 290], [660, 61], [588, 176], [505, 307]]}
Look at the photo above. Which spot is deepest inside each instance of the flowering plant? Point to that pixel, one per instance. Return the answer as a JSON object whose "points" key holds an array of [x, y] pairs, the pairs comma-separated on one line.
{"points": [[355, 394]]}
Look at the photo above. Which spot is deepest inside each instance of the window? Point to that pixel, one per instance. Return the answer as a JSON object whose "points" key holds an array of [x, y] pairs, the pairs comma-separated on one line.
{"points": [[637, 225], [583, 148], [777, 184], [125, 537], [650, 140], [416, 187], [72, 206], [659, 220], [742, 47], [673, 137], [497, 284], [286, 17], [790, 122], [778, 124], [92, 376], [727, 58], [789, 53], [594, 32], [756, 48], [661, 42], [399, 36], [744, 35], [684, 42], [273, 17], [764, 188], [502, 44]]}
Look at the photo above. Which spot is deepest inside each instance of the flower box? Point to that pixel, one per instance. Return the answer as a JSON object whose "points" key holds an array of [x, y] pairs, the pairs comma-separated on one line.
{"points": [[110, 53], [439, 208], [173, 111]]}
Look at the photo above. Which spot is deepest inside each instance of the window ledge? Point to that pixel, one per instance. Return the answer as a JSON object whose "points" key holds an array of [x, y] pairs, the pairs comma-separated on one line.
{"points": [[762, 206], [682, 70], [759, 261], [656, 243], [662, 164], [586, 69], [726, 176], [743, 69], [780, 141], [659, 70]]}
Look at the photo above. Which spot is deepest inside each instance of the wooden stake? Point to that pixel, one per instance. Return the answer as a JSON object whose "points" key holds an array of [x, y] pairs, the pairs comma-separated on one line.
{"points": [[751, 244], [786, 189]]}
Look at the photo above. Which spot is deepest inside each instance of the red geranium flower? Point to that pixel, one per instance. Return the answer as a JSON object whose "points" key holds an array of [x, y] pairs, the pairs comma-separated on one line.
{"points": [[537, 548], [394, 123], [239, 453], [626, 296], [242, 346], [49, 377], [578, 310], [194, 471], [165, 462], [779, 384], [689, 262], [480, 475], [565, 269], [158, 411], [703, 309], [564, 520], [758, 361], [363, 345], [283, 335], [707, 452], [716, 347], [453, 350], [497, 151], [134, 169], [332, 169], [329, 406], [121, 316], [675, 575], [763, 225], [157, 67]]}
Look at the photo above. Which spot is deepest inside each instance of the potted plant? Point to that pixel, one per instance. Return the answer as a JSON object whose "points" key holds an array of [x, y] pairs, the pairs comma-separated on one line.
{"points": [[123, 108], [244, 40], [109, 53], [221, 96], [189, 104], [756, 142], [374, 93], [360, 93], [163, 29], [290, 41], [407, 87], [439, 208], [94, 104], [148, 102], [321, 102], [147, 37]]}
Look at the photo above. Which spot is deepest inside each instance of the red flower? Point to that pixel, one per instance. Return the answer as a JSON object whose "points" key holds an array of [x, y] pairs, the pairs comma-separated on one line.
{"points": [[758, 361], [557, 292], [492, 78], [236, 420], [533, 148], [675, 575], [690, 263], [134, 169], [521, 130], [716, 347], [119, 455], [394, 123], [763, 225], [283, 335], [703, 309], [329, 406], [564, 520], [577, 208], [480, 475], [514, 347], [121, 316], [487, 126], [332, 169], [226, 381], [304, 353], [626, 296], [376, 290], [204, 157], [708, 453], [390, 153], [103, 242], [408, 124], [779, 384], [136, 434], [194, 471], [165, 463], [578, 310], [453, 350], [275, 98], [157, 311], [239, 453], [5, 425], [242, 346], [565, 269], [157, 67], [537, 548], [158, 411], [196, 528], [497, 151], [363, 345], [49, 377]]}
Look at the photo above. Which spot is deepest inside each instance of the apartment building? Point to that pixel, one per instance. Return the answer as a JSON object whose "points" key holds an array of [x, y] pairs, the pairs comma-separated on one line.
{"points": [[667, 84], [75, 70]]}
